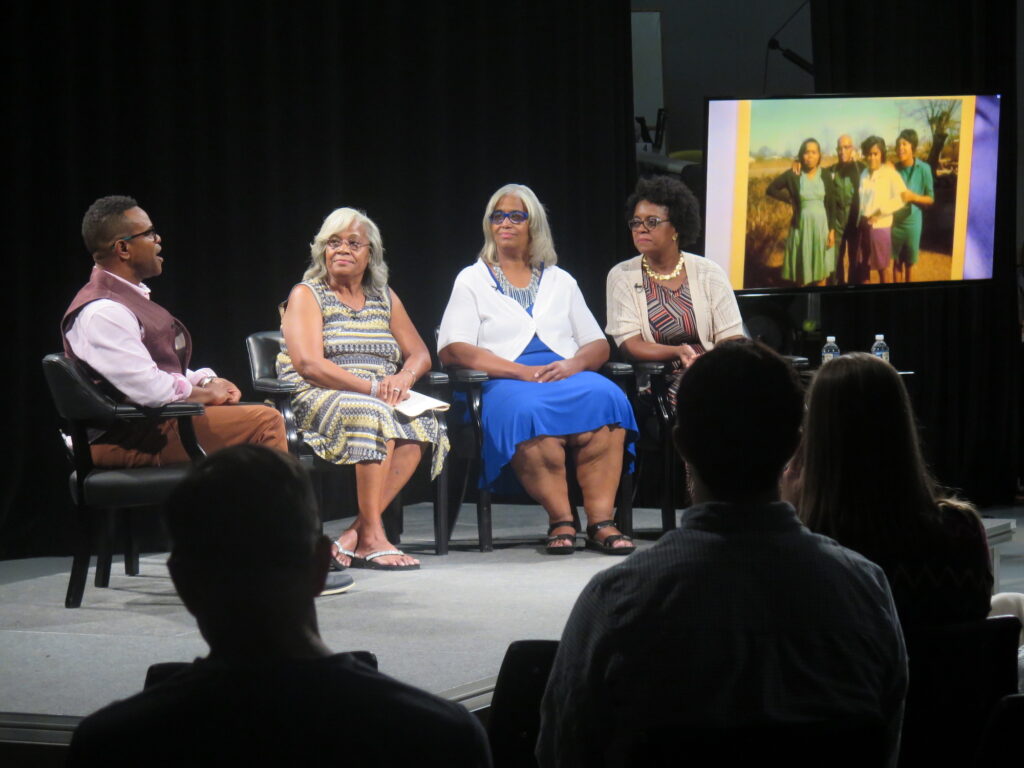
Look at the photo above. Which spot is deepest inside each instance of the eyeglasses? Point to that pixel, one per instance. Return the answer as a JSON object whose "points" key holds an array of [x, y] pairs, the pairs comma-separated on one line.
{"points": [[336, 242], [151, 233], [649, 223], [516, 217]]}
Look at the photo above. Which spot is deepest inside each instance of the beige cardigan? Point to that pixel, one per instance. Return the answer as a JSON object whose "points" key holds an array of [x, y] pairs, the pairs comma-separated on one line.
{"points": [[714, 303]]}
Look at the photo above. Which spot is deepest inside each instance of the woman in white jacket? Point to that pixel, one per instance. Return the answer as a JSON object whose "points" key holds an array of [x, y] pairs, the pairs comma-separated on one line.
{"points": [[519, 318], [881, 195]]}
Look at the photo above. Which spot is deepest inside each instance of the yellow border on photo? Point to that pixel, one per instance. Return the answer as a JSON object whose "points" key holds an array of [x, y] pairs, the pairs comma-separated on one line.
{"points": [[739, 203]]}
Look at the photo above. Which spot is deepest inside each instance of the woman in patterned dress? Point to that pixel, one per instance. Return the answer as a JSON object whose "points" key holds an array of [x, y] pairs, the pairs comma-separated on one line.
{"points": [[666, 304], [353, 352], [522, 320]]}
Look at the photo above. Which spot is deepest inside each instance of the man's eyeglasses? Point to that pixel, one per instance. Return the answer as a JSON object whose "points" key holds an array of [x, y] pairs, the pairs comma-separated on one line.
{"points": [[336, 242], [516, 217], [151, 233], [649, 223]]}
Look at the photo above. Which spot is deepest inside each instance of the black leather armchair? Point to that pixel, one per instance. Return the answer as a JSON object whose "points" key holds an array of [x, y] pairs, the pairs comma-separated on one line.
{"points": [[103, 496], [263, 348]]}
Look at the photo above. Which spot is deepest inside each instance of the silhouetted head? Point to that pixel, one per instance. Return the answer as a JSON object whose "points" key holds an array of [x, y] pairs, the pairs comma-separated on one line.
{"points": [[246, 547], [863, 470], [738, 420]]}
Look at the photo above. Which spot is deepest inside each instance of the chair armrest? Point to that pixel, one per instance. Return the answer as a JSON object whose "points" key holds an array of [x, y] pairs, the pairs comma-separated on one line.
{"points": [[273, 386], [128, 412], [615, 370], [651, 367], [436, 379], [468, 376]]}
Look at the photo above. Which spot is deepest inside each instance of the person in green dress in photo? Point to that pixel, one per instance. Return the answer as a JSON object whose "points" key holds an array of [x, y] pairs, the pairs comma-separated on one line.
{"points": [[809, 256], [908, 221]]}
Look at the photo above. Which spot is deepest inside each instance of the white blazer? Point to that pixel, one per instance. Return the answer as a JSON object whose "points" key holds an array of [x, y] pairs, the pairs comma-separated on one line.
{"points": [[479, 314]]}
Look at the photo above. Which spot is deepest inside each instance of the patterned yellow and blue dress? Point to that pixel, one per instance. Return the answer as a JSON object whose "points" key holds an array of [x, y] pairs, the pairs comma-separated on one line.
{"points": [[348, 427]]}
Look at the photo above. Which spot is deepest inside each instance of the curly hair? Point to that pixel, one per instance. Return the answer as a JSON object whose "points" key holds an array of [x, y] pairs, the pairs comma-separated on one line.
{"points": [[670, 192], [375, 279], [104, 221]]}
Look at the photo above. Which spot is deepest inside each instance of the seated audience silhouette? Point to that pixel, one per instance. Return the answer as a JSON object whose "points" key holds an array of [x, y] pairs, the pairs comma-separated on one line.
{"points": [[741, 617], [860, 478], [270, 691]]}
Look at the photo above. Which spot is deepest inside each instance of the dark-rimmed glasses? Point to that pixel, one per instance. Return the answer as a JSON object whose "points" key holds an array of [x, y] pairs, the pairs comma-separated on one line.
{"points": [[151, 233], [648, 223], [516, 217], [336, 242]]}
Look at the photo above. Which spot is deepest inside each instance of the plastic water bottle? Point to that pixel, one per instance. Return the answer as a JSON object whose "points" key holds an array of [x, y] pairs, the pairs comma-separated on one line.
{"points": [[830, 351], [880, 348]]}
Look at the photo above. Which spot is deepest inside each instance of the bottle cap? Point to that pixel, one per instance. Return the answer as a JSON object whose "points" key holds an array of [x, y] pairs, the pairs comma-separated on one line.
{"points": [[879, 337], [830, 339]]}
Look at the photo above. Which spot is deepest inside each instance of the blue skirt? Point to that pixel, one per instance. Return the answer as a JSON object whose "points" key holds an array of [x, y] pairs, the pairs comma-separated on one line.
{"points": [[516, 411]]}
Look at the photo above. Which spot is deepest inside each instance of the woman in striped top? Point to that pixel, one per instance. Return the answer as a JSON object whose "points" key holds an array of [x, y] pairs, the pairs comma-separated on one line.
{"points": [[354, 354]]}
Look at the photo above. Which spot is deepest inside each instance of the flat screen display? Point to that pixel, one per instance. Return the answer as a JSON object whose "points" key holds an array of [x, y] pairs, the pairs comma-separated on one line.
{"points": [[815, 192]]}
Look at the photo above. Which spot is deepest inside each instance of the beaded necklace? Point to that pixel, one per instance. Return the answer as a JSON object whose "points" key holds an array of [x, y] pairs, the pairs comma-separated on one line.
{"points": [[658, 276], [523, 296]]}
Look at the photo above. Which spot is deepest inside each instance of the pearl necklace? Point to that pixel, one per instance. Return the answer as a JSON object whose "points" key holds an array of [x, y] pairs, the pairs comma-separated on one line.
{"points": [[654, 275]]}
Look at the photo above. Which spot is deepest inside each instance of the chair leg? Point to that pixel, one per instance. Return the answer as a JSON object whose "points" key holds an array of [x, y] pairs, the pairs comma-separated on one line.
{"points": [[668, 506], [80, 564], [455, 501], [131, 546], [392, 520], [441, 513], [624, 511], [317, 480], [483, 520], [103, 551]]}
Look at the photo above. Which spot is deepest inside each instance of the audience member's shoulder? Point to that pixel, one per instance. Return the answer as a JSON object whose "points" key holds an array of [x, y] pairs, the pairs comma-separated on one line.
{"points": [[375, 687], [285, 707], [410, 714], [850, 560]]}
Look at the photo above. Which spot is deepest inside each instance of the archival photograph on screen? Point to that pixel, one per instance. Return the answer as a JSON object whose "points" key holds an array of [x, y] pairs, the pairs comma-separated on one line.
{"points": [[817, 192]]}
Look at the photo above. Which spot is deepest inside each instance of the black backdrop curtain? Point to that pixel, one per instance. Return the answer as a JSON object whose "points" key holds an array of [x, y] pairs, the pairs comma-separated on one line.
{"points": [[963, 341], [239, 126]]}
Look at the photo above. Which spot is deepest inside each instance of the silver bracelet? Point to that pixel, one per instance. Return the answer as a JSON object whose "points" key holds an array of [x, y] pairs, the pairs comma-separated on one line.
{"points": [[373, 387]]}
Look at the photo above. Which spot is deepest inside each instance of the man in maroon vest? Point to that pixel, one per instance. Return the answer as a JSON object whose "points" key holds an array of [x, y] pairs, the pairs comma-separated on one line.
{"points": [[140, 353]]}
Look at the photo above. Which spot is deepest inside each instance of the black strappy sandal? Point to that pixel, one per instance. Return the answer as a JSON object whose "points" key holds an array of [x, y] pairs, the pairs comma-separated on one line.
{"points": [[605, 544], [570, 537]]}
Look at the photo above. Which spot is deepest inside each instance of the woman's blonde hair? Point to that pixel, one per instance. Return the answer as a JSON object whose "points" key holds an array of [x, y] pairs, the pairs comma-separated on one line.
{"points": [[542, 248], [375, 279]]}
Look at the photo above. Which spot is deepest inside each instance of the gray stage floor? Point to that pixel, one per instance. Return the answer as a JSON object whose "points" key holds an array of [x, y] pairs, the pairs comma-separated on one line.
{"points": [[441, 628]]}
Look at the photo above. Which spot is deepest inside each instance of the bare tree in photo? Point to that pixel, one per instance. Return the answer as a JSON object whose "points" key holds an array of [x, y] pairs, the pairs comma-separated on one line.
{"points": [[942, 115]]}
